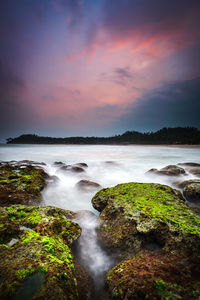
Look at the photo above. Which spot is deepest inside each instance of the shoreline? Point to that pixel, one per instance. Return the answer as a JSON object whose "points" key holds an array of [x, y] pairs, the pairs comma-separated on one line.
{"points": [[128, 144]]}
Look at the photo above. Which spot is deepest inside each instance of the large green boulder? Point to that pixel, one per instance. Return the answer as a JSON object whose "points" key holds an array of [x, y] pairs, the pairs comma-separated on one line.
{"points": [[134, 216]]}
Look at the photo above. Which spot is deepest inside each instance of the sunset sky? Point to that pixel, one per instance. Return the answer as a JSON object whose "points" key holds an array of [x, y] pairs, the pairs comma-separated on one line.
{"points": [[98, 67]]}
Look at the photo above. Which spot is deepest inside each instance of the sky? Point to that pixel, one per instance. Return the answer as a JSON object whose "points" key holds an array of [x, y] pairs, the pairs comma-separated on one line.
{"points": [[85, 67]]}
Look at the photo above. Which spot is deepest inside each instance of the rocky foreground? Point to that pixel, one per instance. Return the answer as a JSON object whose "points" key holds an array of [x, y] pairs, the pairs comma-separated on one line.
{"points": [[157, 238], [149, 229]]}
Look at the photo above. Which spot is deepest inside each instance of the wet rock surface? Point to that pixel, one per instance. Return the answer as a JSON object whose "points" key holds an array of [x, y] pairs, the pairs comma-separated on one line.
{"points": [[87, 185], [190, 189], [21, 184], [194, 171], [72, 168], [153, 275], [22, 163], [182, 184], [192, 192], [42, 250]]}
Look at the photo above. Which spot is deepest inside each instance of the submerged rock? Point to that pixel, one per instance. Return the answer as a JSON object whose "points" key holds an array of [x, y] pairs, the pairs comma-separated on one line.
{"points": [[87, 185], [72, 168], [45, 250], [83, 165], [195, 171], [171, 170], [192, 192], [132, 215], [182, 184], [21, 184], [59, 163], [154, 276]]}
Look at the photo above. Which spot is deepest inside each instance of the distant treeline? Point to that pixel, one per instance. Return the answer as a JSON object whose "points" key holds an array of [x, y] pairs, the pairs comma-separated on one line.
{"points": [[178, 135]]}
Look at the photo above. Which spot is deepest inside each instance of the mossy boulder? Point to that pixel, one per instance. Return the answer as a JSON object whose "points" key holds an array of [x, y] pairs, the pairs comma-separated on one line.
{"points": [[154, 276], [21, 184], [42, 248], [134, 215]]}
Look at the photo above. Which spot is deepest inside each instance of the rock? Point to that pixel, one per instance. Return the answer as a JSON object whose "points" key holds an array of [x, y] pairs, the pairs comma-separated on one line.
{"points": [[182, 184], [21, 185], [84, 165], [195, 171], [43, 254], [72, 168], [59, 163], [171, 170], [189, 164], [192, 192], [53, 179], [133, 215], [22, 163], [87, 185], [111, 162], [154, 276]]}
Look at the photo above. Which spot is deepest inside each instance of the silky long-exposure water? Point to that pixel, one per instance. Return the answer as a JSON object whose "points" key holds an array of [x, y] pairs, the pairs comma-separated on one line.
{"points": [[108, 166]]}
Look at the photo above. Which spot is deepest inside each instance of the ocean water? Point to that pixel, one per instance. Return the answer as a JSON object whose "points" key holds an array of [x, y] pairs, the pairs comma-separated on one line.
{"points": [[108, 166]]}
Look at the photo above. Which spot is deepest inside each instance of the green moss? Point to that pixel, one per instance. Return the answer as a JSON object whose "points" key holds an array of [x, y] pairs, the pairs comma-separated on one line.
{"points": [[157, 201], [160, 286], [24, 273]]}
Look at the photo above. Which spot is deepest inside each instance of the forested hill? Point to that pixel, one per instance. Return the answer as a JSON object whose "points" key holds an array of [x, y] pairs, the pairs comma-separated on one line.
{"points": [[178, 135]]}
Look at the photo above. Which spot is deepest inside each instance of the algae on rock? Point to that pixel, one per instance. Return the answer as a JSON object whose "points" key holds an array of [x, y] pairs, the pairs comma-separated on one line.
{"points": [[135, 214], [43, 246], [21, 185], [151, 275]]}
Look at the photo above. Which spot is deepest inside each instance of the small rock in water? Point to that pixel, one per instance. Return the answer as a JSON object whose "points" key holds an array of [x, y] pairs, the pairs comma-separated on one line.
{"points": [[192, 192], [87, 185], [171, 170], [182, 184], [72, 168], [195, 171], [59, 163], [84, 165]]}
